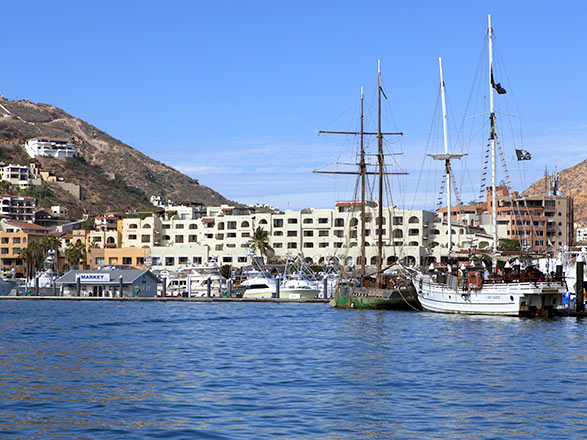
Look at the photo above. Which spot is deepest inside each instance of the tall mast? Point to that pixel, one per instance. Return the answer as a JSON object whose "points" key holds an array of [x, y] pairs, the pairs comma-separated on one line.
{"points": [[446, 157], [448, 177], [363, 170], [492, 139], [380, 157]]}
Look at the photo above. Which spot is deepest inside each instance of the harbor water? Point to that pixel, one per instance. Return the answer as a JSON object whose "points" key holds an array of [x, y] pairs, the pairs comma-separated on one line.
{"points": [[137, 370]]}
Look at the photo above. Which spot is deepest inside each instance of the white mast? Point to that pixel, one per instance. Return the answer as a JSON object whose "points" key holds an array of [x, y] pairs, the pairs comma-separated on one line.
{"points": [[446, 157], [492, 138], [448, 191]]}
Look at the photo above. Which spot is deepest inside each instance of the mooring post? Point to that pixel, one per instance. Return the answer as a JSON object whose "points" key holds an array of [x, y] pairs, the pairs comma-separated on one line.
{"points": [[277, 286], [78, 286], [164, 287], [37, 285], [208, 287], [325, 283], [580, 306], [189, 286], [229, 288], [120, 287]]}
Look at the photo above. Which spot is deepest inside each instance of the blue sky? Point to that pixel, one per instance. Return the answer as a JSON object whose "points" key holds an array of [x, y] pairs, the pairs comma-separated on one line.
{"points": [[233, 93]]}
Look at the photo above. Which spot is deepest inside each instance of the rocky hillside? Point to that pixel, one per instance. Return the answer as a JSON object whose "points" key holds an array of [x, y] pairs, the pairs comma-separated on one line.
{"points": [[573, 182], [112, 175]]}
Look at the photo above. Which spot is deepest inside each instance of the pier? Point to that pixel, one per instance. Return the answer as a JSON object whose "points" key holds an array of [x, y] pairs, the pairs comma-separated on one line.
{"points": [[162, 299]]}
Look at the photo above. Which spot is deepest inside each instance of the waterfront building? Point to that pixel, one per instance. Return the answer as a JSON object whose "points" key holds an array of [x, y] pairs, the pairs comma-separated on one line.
{"points": [[17, 208], [226, 233], [107, 283], [539, 222], [14, 237], [50, 147], [123, 256]]}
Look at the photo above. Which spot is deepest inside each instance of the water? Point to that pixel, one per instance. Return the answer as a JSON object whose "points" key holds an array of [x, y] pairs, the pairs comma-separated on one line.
{"points": [[112, 370]]}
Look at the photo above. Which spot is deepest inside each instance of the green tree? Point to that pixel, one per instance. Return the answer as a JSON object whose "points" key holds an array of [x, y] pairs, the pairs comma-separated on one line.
{"points": [[505, 244], [226, 270], [5, 185], [33, 256], [74, 253], [261, 242]]}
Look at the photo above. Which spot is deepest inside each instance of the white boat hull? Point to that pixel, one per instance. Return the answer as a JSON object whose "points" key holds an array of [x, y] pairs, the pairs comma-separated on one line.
{"points": [[509, 299]]}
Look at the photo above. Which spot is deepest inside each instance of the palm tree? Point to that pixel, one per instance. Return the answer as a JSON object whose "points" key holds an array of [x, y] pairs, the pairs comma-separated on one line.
{"points": [[74, 253], [33, 256], [261, 241]]}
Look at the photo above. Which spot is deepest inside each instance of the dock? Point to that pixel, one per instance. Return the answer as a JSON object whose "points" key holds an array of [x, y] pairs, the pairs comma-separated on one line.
{"points": [[161, 299]]}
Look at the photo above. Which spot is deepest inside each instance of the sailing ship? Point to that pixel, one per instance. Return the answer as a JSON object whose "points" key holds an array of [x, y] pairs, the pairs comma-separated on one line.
{"points": [[361, 292], [470, 289]]}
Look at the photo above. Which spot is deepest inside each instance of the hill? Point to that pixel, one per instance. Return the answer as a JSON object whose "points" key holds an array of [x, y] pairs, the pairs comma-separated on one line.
{"points": [[113, 175], [573, 182]]}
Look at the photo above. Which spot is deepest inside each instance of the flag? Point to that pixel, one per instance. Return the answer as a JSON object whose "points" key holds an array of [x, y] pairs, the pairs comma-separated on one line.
{"points": [[500, 90], [523, 155]]}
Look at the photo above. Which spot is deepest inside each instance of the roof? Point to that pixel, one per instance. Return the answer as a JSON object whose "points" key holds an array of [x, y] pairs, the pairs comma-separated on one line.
{"points": [[128, 275], [42, 138], [29, 226]]}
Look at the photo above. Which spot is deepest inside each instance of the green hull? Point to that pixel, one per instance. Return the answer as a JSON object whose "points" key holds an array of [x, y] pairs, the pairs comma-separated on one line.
{"points": [[368, 298]]}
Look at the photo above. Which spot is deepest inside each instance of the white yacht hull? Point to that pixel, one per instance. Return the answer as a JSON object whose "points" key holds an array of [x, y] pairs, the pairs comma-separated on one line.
{"points": [[509, 299]]}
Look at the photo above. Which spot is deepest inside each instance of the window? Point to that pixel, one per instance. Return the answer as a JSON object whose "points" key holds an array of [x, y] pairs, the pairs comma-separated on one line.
{"points": [[179, 238], [99, 239], [323, 245], [127, 260], [16, 240], [262, 222], [230, 225], [308, 245], [193, 226], [323, 233], [245, 234], [133, 226], [292, 221], [169, 261], [245, 224], [231, 235], [179, 226], [292, 233], [130, 237], [413, 219], [397, 221], [322, 220], [339, 222], [112, 260], [197, 260], [146, 226], [308, 221], [99, 261], [192, 238], [354, 222], [308, 233], [4, 240], [292, 245], [140, 261], [166, 226], [278, 233], [227, 259], [145, 238], [277, 245], [183, 260], [413, 232], [277, 222], [339, 234]]}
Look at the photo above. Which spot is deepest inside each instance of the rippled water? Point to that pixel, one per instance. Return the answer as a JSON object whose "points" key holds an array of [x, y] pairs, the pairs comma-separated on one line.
{"points": [[111, 370]]}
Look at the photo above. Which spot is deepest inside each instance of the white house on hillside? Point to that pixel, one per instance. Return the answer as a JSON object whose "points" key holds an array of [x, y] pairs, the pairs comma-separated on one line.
{"points": [[51, 147]]}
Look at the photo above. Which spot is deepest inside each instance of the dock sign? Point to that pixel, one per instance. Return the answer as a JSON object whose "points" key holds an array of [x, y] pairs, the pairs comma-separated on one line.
{"points": [[93, 277]]}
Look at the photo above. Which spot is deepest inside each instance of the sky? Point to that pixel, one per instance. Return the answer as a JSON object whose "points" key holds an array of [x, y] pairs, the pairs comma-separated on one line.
{"points": [[233, 93]]}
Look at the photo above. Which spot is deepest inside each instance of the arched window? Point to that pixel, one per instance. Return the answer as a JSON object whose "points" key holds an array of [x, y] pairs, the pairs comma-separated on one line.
{"points": [[398, 233], [193, 226], [413, 243], [354, 222], [263, 222], [374, 260], [133, 226], [146, 226], [245, 224], [414, 219], [391, 259]]}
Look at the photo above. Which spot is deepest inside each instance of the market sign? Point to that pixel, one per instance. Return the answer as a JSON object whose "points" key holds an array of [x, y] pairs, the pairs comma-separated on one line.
{"points": [[93, 277]]}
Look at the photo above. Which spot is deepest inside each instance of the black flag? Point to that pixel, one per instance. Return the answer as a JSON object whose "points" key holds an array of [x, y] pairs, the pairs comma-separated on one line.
{"points": [[523, 155], [500, 90]]}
